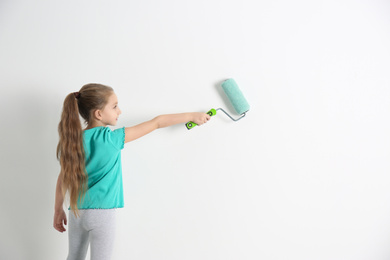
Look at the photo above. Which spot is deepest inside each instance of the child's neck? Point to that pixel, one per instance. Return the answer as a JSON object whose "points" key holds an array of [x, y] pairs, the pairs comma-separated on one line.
{"points": [[95, 124]]}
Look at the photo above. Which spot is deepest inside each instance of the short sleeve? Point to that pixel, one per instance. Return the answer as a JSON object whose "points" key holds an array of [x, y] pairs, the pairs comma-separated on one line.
{"points": [[117, 138]]}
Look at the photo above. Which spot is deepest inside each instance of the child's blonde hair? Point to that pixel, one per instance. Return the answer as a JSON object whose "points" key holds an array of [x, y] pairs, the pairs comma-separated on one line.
{"points": [[70, 149]]}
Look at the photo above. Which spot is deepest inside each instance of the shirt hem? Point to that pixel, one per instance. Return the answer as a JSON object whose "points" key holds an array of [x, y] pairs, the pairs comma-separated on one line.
{"points": [[120, 207]]}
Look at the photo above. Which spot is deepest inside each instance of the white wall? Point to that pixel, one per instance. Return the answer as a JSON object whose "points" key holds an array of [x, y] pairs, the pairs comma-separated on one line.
{"points": [[304, 176]]}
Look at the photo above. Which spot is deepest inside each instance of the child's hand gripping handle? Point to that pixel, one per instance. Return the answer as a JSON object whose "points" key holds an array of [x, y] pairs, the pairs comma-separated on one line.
{"points": [[191, 124]]}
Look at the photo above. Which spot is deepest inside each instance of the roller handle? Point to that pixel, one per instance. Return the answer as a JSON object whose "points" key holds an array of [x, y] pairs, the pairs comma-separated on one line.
{"points": [[191, 124]]}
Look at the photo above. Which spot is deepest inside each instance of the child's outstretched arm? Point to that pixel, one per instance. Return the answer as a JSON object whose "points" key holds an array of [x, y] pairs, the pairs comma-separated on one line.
{"points": [[135, 132], [59, 213]]}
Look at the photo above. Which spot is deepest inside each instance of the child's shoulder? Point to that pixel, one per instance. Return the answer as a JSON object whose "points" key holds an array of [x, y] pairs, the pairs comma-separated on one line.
{"points": [[104, 134], [96, 129]]}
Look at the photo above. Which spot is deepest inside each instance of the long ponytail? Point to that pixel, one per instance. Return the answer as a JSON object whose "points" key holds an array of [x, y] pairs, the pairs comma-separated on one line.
{"points": [[70, 152]]}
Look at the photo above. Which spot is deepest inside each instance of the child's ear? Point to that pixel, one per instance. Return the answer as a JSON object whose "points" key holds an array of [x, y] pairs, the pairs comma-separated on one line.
{"points": [[98, 114]]}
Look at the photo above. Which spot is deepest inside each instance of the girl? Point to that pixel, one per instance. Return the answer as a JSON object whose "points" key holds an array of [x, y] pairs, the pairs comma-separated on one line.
{"points": [[91, 170]]}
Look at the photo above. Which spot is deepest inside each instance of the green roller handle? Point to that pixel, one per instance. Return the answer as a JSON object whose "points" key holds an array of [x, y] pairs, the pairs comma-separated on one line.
{"points": [[191, 124]]}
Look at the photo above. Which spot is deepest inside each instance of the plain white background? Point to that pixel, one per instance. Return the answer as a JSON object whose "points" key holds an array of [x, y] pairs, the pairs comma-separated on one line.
{"points": [[305, 175]]}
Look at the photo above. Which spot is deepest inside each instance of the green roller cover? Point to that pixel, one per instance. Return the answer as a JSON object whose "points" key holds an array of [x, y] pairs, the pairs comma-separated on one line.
{"points": [[235, 96]]}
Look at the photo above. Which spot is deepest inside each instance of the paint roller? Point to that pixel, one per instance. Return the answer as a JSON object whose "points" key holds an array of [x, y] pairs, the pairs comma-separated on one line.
{"points": [[235, 96]]}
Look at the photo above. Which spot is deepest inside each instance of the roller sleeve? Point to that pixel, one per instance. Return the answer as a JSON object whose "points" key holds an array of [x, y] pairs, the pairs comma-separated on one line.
{"points": [[235, 96]]}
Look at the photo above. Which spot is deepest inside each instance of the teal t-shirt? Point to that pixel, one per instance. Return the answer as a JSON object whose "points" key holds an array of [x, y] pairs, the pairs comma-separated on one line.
{"points": [[104, 168]]}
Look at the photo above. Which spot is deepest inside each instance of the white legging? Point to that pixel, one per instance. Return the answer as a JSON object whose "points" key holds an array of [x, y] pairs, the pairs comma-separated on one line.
{"points": [[95, 227]]}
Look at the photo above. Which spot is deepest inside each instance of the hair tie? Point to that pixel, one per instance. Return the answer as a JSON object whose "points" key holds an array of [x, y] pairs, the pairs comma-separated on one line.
{"points": [[76, 95]]}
